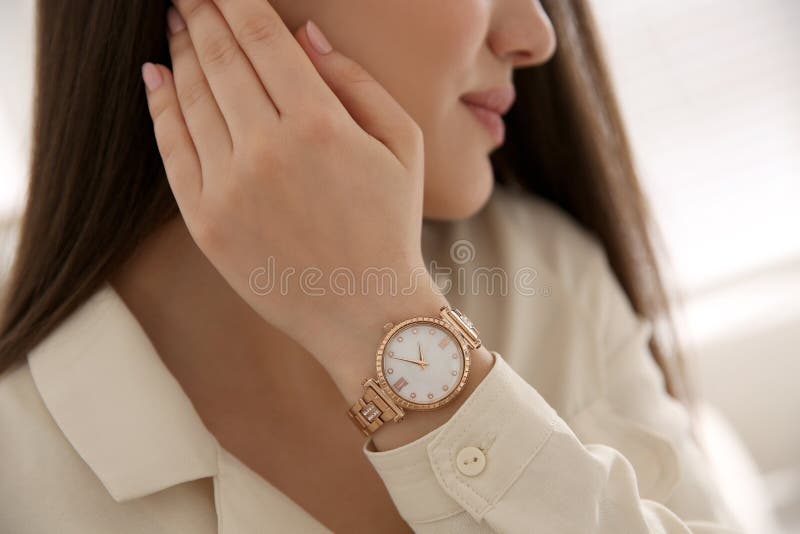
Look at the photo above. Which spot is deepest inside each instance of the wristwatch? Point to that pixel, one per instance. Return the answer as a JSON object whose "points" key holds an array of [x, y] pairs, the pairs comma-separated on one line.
{"points": [[422, 364]]}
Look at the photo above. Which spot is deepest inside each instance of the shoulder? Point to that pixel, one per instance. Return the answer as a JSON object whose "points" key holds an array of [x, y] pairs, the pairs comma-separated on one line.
{"points": [[560, 323], [546, 236], [568, 256]]}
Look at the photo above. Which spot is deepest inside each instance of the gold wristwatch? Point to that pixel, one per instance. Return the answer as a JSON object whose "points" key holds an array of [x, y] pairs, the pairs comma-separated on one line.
{"points": [[422, 364]]}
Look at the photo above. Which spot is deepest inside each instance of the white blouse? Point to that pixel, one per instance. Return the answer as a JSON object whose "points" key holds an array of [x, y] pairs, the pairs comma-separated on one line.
{"points": [[570, 432]]}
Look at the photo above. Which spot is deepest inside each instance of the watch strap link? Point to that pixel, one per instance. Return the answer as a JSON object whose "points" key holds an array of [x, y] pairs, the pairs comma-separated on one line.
{"points": [[462, 324], [374, 408]]}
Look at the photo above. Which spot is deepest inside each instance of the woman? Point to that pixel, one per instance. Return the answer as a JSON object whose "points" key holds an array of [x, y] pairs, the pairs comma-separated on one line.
{"points": [[193, 369]]}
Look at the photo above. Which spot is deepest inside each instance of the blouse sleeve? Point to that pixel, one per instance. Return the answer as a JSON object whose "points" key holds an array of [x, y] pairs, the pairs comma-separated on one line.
{"points": [[507, 462]]}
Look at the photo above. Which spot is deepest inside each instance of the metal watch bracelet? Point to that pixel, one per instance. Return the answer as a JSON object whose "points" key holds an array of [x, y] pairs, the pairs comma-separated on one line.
{"points": [[375, 407]]}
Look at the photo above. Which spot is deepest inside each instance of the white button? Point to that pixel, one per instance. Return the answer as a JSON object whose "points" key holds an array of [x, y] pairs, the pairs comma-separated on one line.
{"points": [[470, 461]]}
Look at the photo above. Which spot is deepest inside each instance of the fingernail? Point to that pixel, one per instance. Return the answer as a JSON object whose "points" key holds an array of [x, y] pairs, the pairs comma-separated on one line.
{"points": [[152, 76], [174, 20], [317, 38]]}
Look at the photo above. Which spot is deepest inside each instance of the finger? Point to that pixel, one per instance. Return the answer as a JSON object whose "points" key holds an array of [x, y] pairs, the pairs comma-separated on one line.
{"points": [[174, 142], [285, 70], [238, 91], [367, 101], [203, 117]]}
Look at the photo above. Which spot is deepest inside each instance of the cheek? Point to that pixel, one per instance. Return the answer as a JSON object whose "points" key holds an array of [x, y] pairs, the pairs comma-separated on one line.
{"points": [[422, 51], [458, 172], [426, 53], [435, 56]]}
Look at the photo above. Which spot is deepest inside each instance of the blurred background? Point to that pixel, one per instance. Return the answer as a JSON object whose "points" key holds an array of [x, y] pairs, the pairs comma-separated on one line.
{"points": [[710, 91]]}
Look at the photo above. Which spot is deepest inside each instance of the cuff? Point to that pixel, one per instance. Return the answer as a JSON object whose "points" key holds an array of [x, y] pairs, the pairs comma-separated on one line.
{"points": [[471, 461]]}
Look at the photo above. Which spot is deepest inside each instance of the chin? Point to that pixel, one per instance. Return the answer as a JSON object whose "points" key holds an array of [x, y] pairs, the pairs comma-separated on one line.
{"points": [[459, 199]]}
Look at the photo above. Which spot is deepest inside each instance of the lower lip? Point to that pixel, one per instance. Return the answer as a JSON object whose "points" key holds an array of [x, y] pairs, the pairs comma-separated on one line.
{"points": [[492, 120]]}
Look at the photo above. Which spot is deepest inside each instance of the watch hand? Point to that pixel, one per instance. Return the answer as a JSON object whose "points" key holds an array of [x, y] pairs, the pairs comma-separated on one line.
{"points": [[418, 362], [421, 354]]}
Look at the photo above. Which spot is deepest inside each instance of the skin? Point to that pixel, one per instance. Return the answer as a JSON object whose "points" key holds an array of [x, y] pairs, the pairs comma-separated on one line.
{"points": [[247, 135], [467, 45]]}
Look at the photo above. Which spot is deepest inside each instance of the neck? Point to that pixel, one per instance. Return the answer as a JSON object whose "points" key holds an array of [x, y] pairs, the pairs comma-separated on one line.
{"points": [[224, 355]]}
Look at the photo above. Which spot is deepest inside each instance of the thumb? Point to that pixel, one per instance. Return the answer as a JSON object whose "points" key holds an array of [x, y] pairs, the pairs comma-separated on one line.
{"points": [[367, 101]]}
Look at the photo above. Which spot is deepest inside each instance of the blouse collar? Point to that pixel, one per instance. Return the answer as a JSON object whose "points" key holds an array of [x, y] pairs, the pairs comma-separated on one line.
{"points": [[118, 404]]}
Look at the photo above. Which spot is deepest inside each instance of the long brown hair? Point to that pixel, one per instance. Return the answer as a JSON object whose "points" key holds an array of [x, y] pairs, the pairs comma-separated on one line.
{"points": [[97, 184]]}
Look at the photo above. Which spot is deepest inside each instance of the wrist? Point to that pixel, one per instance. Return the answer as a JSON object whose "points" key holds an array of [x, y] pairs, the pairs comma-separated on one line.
{"points": [[416, 424], [345, 342], [418, 378]]}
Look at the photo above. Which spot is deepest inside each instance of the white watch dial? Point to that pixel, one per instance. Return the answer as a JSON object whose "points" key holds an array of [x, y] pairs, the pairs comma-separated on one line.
{"points": [[423, 363]]}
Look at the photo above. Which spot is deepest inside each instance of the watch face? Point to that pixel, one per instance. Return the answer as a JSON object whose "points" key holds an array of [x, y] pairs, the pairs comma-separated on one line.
{"points": [[423, 363]]}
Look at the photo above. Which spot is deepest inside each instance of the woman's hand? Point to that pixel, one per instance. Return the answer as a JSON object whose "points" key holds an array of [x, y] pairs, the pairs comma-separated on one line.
{"points": [[275, 149]]}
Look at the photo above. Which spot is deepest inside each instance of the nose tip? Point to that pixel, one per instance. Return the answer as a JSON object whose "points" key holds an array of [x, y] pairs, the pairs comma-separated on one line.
{"points": [[526, 37], [541, 51], [533, 56]]}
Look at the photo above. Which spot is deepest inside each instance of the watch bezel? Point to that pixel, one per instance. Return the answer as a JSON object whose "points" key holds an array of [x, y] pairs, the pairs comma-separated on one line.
{"points": [[462, 345]]}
